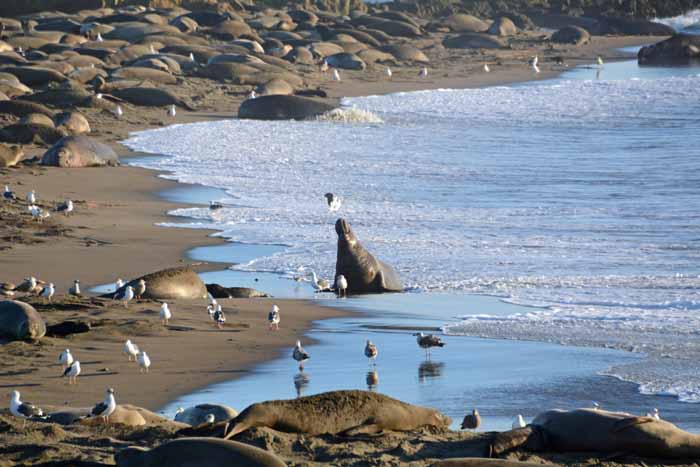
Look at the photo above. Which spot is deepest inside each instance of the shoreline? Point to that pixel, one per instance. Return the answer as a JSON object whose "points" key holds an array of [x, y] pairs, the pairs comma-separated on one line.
{"points": [[172, 244]]}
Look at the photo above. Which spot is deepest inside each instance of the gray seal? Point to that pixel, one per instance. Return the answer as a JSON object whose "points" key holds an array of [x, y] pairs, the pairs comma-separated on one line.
{"points": [[79, 151], [19, 320], [364, 273]]}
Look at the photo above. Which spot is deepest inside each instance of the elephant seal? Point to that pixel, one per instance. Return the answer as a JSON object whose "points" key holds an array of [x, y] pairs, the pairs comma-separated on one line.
{"points": [[473, 41], [406, 53], [219, 291], [10, 155], [482, 462], [35, 75], [571, 35], [602, 431], [205, 452], [198, 414], [170, 284], [681, 49], [28, 133], [21, 108], [79, 151], [151, 97], [124, 415], [74, 122], [275, 86], [280, 107], [347, 61], [337, 412], [364, 273], [19, 320]]}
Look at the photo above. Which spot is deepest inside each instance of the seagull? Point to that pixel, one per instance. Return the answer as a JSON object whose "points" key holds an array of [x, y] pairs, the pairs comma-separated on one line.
{"points": [[117, 285], [219, 317], [29, 285], [300, 355], [126, 295], [423, 72], [341, 285], [172, 111], [178, 412], [99, 95], [192, 57], [66, 207], [273, 318], [99, 37], [252, 95], [119, 111], [389, 73], [8, 194], [486, 68], [151, 49], [596, 406], [24, 410], [471, 421], [371, 352], [48, 292], [72, 372], [336, 75], [321, 285], [519, 422], [215, 205], [210, 418], [655, 414], [427, 341], [31, 197], [599, 60], [165, 314], [105, 408], [211, 309], [333, 202], [131, 350], [65, 359], [144, 362], [141, 289], [75, 290], [533, 63]]}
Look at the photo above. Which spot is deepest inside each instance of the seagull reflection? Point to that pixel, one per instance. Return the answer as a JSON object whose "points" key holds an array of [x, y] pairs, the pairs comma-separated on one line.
{"points": [[597, 74], [301, 381], [372, 380], [429, 369]]}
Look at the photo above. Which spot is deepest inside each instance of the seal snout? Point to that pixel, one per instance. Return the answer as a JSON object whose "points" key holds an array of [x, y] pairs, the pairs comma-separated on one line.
{"points": [[342, 228]]}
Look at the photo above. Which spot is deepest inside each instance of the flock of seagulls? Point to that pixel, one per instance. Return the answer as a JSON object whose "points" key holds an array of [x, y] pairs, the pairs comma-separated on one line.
{"points": [[37, 213]]}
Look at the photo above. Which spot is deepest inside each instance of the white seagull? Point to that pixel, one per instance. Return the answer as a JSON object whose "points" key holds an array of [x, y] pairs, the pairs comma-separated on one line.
{"points": [[210, 418], [336, 75], [423, 72], [105, 408], [334, 202], [341, 285], [191, 57], [65, 359], [371, 352], [117, 285], [172, 111], [99, 37], [48, 292], [655, 414], [144, 362], [126, 295], [321, 285], [300, 355], [24, 410], [8, 194], [130, 349], [486, 68], [141, 289], [119, 111], [599, 60], [165, 314], [252, 95], [66, 207], [75, 289], [533, 63], [31, 197], [219, 317], [519, 422], [389, 72], [211, 309], [273, 318], [72, 372], [324, 66]]}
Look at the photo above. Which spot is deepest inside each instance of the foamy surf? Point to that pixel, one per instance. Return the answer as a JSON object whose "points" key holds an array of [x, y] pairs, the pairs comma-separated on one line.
{"points": [[689, 22], [350, 115]]}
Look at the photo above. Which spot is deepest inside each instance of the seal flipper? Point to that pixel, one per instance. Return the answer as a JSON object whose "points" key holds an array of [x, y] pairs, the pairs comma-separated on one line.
{"points": [[364, 429], [630, 422]]}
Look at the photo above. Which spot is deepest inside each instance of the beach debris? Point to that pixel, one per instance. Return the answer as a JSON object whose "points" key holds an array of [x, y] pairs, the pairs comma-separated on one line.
{"points": [[273, 318], [65, 359], [341, 285], [105, 408], [24, 410], [72, 372], [300, 355], [371, 352], [471, 421]]}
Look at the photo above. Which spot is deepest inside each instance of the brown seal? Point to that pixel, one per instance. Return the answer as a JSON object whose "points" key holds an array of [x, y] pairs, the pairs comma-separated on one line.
{"points": [[19, 320], [337, 412]]}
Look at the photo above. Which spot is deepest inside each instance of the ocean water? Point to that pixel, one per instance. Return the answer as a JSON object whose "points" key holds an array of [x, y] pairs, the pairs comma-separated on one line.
{"points": [[688, 23], [573, 202]]}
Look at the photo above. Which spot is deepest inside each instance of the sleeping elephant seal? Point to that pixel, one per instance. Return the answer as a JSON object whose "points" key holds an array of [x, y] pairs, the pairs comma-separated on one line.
{"points": [[602, 431], [150, 97], [280, 107], [79, 151], [482, 462], [19, 320], [204, 452], [10, 155], [198, 414], [337, 412], [170, 284], [364, 273]]}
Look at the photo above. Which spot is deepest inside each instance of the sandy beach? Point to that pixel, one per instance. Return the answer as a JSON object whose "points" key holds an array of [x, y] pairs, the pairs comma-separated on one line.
{"points": [[113, 233]]}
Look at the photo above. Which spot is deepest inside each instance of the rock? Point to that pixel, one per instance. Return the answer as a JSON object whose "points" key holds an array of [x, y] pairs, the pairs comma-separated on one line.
{"points": [[283, 108], [20, 321], [10, 155], [681, 49], [346, 61], [571, 35], [66, 328], [219, 291], [502, 26], [466, 23], [473, 41], [79, 151]]}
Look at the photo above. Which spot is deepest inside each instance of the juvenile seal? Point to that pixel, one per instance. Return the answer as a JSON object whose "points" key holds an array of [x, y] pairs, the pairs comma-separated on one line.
{"points": [[337, 412], [364, 273], [205, 452], [19, 320]]}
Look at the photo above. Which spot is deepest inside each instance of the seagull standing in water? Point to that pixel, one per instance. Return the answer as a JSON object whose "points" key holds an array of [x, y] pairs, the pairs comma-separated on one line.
{"points": [[8, 195], [341, 284], [165, 314], [371, 352], [300, 355], [333, 202], [65, 359], [519, 422], [321, 285], [428, 341], [273, 318], [72, 372], [336, 75], [131, 350], [144, 362], [471, 421], [24, 410], [105, 408]]}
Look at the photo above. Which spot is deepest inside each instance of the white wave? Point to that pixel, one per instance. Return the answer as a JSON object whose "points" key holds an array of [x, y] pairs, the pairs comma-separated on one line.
{"points": [[690, 20], [350, 115]]}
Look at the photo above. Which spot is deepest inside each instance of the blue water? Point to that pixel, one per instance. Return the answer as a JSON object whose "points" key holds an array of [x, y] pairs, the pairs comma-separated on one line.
{"points": [[575, 197]]}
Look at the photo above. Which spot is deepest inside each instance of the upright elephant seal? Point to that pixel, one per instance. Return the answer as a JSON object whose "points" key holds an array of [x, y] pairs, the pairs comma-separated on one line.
{"points": [[203, 452], [602, 431], [171, 284], [19, 320], [79, 151], [337, 412], [364, 273]]}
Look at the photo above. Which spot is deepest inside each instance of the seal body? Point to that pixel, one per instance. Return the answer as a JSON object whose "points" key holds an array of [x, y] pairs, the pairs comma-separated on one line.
{"points": [[79, 151], [364, 273], [280, 107], [19, 320], [170, 284], [201, 452], [198, 414], [337, 412]]}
